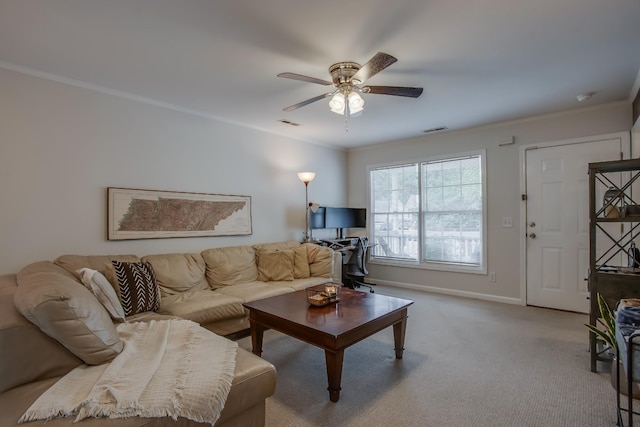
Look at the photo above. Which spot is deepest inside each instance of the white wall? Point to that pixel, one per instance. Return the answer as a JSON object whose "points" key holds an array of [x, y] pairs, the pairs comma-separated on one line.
{"points": [[635, 139], [503, 191], [61, 146]]}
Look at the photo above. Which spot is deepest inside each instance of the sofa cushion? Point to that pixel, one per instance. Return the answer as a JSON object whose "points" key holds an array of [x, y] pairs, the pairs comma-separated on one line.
{"points": [[101, 263], [254, 380], [102, 289], [202, 306], [26, 353], [277, 246], [302, 284], [300, 263], [52, 299], [275, 265], [300, 259], [137, 286], [230, 265], [176, 273], [320, 260], [254, 291]]}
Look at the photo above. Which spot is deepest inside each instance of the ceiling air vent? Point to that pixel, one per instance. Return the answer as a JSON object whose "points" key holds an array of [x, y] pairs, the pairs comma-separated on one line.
{"points": [[432, 130], [287, 122]]}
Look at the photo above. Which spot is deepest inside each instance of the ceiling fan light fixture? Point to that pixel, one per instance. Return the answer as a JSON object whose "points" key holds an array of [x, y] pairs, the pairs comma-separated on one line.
{"points": [[356, 103], [337, 103], [346, 80]]}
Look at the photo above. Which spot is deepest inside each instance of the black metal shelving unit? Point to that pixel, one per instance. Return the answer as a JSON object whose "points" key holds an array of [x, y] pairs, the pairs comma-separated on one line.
{"points": [[609, 274]]}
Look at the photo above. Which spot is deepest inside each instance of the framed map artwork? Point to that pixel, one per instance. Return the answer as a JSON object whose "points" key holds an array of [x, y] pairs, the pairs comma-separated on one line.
{"points": [[151, 214]]}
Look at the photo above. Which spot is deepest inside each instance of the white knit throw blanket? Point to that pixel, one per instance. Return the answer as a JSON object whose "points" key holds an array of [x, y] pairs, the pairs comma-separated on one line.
{"points": [[168, 368]]}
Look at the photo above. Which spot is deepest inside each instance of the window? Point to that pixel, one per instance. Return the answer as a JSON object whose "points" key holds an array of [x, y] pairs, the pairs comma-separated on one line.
{"points": [[395, 209], [430, 213]]}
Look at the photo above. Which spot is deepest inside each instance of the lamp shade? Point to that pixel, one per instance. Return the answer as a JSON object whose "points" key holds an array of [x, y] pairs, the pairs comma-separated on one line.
{"points": [[306, 177]]}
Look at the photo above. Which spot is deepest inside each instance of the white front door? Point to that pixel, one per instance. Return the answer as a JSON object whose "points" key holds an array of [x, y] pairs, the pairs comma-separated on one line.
{"points": [[557, 221]]}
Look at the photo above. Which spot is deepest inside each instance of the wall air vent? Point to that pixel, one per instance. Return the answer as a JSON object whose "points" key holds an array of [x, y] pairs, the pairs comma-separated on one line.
{"points": [[439, 129], [287, 122]]}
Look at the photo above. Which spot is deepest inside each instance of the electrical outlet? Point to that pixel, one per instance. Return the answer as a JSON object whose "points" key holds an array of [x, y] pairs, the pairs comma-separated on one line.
{"points": [[492, 276]]}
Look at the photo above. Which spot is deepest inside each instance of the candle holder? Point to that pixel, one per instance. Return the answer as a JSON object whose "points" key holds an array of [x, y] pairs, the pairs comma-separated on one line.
{"points": [[328, 295]]}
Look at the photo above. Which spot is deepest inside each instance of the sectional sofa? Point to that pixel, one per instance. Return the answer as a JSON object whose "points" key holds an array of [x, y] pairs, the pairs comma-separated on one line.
{"points": [[56, 316]]}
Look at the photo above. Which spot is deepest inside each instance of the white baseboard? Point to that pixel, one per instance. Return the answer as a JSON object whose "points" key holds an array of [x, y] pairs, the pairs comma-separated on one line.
{"points": [[445, 291]]}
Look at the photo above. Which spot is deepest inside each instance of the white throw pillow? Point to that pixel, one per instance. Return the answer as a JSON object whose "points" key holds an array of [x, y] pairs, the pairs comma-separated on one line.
{"points": [[102, 289]]}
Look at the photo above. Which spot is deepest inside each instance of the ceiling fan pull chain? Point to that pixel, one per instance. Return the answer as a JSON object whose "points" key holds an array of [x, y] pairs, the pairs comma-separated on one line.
{"points": [[346, 116]]}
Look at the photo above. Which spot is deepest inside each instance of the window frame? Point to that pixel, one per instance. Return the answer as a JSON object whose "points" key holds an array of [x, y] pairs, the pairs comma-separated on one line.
{"points": [[420, 263]]}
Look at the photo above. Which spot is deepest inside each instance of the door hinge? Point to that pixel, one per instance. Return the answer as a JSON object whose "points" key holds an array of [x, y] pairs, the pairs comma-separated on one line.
{"points": [[524, 197]]}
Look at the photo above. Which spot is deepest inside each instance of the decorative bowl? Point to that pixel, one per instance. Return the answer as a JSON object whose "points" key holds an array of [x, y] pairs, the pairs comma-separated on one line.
{"points": [[328, 295]]}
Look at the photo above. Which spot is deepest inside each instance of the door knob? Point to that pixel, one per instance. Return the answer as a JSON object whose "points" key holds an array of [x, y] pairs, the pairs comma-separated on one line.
{"points": [[532, 235], [532, 224]]}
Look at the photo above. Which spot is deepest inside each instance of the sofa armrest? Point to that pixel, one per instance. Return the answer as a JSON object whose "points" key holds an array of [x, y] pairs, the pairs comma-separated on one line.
{"points": [[336, 275], [254, 381]]}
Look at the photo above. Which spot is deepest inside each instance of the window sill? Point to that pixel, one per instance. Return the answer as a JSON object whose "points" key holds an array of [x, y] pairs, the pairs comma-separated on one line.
{"points": [[430, 266]]}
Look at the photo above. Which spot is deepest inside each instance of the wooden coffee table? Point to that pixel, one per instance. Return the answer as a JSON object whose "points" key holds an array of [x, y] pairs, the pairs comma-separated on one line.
{"points": [[333, 328]]}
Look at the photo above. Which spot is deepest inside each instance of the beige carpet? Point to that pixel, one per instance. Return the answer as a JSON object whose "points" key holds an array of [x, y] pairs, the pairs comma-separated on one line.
{"points": [[466, 363]]}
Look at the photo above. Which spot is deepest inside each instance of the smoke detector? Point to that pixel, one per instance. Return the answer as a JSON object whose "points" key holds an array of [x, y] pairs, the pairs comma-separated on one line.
{"points": [[583, 97]]}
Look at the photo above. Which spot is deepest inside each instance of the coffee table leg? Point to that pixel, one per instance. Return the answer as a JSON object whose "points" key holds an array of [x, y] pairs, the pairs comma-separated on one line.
{"points": [[334, 372], [399, 330], [257, 332]]}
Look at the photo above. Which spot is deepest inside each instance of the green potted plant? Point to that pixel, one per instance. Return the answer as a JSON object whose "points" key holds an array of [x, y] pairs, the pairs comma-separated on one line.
{"points": [[608, 335]]}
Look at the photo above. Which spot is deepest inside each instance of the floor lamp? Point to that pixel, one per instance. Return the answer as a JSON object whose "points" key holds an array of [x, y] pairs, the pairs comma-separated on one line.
{"points": [[306, 177]]}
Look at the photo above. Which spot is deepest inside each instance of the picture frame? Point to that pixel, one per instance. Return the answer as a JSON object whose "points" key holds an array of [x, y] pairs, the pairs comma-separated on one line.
{"points": [[154, 214]]}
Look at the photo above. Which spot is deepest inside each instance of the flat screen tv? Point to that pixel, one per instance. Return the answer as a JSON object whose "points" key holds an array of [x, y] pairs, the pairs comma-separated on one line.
{"points": [[345, 218], [316, 219]]}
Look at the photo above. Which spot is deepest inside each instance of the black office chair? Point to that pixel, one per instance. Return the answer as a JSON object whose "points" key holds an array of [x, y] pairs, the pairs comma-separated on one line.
{"points": [[355, 269]]}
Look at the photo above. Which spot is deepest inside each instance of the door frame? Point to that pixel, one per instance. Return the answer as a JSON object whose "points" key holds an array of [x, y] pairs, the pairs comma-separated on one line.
{"points": [[625, 142]]}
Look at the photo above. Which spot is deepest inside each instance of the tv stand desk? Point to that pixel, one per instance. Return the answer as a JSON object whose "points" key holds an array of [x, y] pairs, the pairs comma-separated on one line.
{"points": [[346, 247], [339, 244]]}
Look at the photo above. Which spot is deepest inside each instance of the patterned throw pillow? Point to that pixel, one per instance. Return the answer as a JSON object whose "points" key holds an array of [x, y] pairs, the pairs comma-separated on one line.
{"points": [[137, 287]]}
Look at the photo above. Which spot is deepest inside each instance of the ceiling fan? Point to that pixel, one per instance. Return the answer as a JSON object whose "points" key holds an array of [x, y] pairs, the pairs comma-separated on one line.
{"points": [[347, 79]]}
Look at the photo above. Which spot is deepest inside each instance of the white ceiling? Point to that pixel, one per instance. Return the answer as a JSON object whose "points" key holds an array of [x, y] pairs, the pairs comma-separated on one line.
{"points": [[479, 61]]}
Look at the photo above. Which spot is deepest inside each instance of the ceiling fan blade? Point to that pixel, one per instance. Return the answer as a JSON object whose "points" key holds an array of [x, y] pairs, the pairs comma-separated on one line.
{"points": [[379, 62], [302, 78], [307, 102], [410, 92]]}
